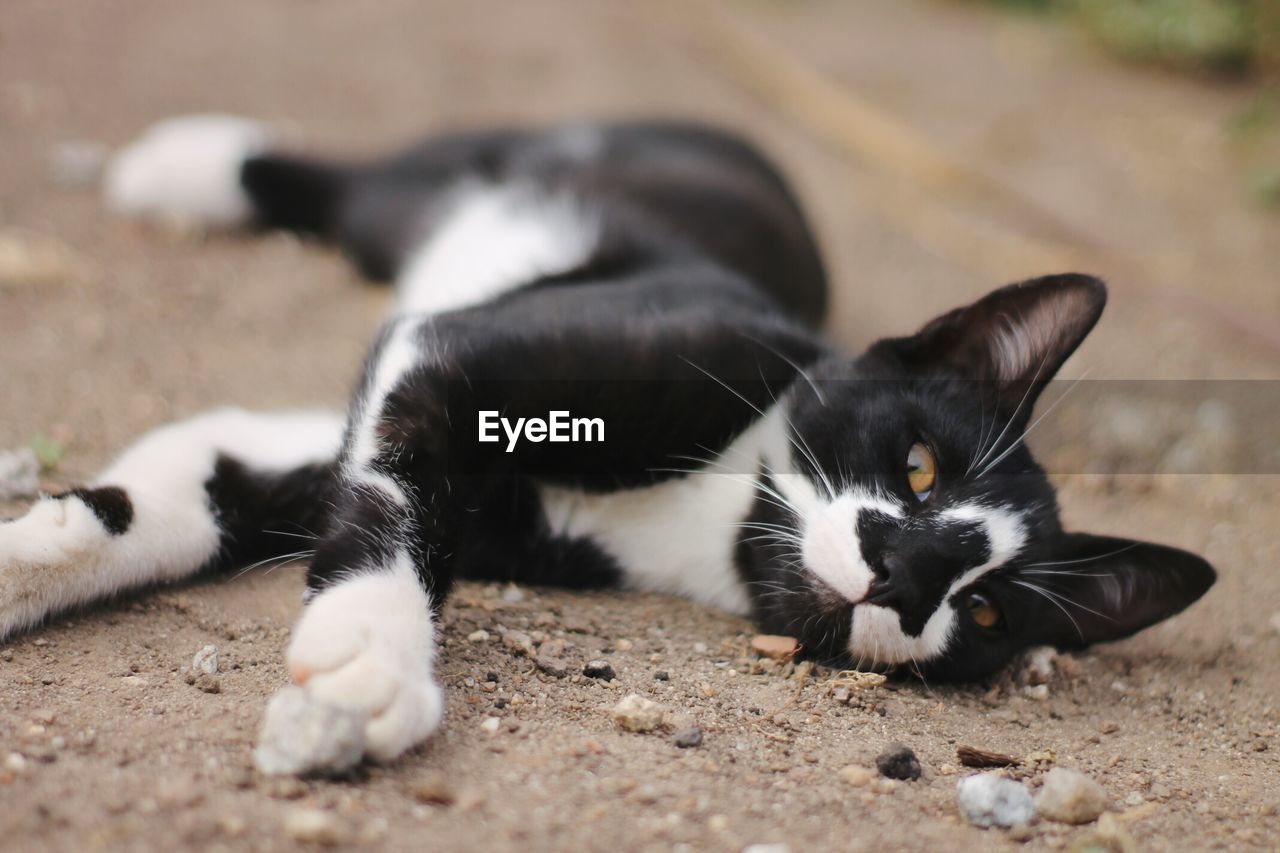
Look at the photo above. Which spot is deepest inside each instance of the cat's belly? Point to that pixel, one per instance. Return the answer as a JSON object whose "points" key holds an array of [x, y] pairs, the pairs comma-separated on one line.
{"points": [[677, 536]]}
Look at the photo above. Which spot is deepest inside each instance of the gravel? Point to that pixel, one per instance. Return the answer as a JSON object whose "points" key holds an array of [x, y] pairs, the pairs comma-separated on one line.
{"points": [[898, 762], [774, 646], [301, 736], [600, 669], [553, 658], [314, 826], [989, 799], [637, 714], [688, 738], [19, 474], [1069, 796], [206, 660]]}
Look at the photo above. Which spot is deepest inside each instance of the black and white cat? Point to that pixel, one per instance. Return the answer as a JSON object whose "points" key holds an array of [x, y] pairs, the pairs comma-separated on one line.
{"points": [[658, 281]]}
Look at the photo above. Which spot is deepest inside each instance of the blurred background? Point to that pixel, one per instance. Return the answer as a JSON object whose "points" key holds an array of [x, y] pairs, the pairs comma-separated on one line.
{"points": [[942, 147]]}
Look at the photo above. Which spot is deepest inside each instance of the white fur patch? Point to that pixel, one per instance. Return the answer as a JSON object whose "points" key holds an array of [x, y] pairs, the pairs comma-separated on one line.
{"points": [[832, 550], [60, 555], [677, 536], [368, 643], [492, 240], [877, 636], [186, 170], [399, 355]]}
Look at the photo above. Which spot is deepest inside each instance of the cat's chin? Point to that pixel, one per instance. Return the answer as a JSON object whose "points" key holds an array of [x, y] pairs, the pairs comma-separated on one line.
{"points": [[876, 636]]}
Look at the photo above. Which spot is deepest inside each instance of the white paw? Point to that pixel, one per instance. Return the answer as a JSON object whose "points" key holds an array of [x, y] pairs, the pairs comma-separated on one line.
{"points": [[186, 171], [367, 644], [45, 558]]}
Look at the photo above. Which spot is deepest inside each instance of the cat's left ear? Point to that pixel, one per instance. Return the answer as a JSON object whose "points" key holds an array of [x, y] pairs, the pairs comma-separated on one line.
{"points": [[1101, 588], [1015, 338]]}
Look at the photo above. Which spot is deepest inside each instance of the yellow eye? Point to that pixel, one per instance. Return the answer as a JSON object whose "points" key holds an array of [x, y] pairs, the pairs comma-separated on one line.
{"points": [[922, 470], [986, 614]]}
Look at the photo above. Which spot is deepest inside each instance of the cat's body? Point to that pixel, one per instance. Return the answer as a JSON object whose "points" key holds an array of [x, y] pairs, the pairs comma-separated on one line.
{"points": [[658, 282]]}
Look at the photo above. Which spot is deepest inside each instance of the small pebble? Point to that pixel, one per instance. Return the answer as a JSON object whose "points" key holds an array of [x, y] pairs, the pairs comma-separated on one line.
{"points": [[600, 669], [512, 594], [767, 848], [989, 799], [76, 163], [478, 636], [19, 474], [857, 776], [518, 641], [637, 714], [688, 738], [1069, 796], [1038, 692], [15, 762], [206, 660], [556, 667], [1038, 664], [208, 683], [433, 788], [491, 724], [1107, 836], [300, 735], [899, 762], [313, 826], [774, 646]]}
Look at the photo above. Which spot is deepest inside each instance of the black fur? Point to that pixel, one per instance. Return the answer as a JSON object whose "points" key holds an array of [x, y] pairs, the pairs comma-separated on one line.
{"points": [[110, 504], [697, 311]]}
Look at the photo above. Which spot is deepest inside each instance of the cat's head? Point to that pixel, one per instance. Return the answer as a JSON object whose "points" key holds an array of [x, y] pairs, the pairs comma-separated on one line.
{"points": [[914, 528]]}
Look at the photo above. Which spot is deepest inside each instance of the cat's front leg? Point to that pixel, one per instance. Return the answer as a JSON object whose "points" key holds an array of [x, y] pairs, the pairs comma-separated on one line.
{"points": [[367, 643]]}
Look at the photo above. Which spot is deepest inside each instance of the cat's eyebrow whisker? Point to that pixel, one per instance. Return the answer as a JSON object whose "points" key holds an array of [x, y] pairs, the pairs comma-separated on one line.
{"points": [[1025, 394], [1054, 602], [1117, 551], [796, 439], [294, 535], [803, 373], [1034, 424]]}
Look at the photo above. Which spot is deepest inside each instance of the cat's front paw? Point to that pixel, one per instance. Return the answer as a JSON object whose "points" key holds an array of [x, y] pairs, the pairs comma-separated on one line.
{"points": [[366, 644]]}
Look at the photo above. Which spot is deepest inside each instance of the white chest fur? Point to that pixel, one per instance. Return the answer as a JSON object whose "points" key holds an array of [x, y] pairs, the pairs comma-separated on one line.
{"points": [[678, 536]]}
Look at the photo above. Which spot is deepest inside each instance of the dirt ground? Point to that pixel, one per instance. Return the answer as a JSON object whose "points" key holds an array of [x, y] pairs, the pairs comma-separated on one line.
{"points": [[135, 327]]}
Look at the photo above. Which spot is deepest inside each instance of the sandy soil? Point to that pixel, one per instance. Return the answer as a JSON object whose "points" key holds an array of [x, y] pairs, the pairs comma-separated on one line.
{"points": [[138, 327]]}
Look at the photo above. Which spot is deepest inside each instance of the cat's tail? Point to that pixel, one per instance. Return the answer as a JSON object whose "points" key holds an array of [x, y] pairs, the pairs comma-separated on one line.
{"points": [[218, 172]]}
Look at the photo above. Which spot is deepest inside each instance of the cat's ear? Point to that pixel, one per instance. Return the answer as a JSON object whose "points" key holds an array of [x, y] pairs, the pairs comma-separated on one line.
{"points": [[1014, 338], [1100, 588]]}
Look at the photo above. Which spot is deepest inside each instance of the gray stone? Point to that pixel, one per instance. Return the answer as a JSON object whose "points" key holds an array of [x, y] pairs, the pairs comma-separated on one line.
{"points": [[989, 799], [206, 660], [600, 669], [689, 737], [898, 762], [19, 474], [300, 736], [1069, 796]]}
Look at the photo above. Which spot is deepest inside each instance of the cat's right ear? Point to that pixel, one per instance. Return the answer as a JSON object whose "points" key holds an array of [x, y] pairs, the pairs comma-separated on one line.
{"points": [[1013, 340]]}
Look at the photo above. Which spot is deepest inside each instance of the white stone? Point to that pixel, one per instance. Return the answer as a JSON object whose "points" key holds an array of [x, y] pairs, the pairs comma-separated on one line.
{"points": [[206, 660], [637, 714], [989, 799], [300, 735], [1069, 796]]}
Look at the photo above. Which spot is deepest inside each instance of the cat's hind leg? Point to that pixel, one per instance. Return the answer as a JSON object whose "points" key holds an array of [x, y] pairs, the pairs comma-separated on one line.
{"points": [[222, 488]]}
